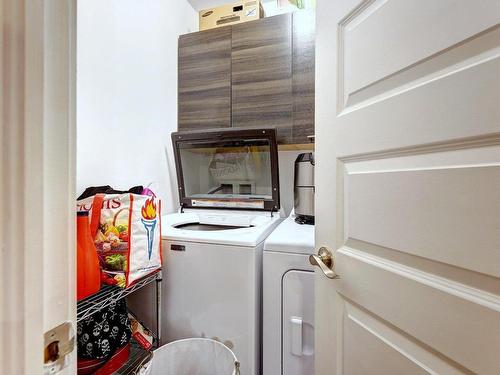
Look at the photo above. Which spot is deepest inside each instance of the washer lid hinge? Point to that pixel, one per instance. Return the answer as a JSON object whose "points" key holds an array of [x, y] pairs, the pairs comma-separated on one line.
{"points": [[272, 211]]}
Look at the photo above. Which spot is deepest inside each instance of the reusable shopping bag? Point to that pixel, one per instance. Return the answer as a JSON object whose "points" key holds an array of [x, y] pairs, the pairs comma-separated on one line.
{"points": [[126, 229]]}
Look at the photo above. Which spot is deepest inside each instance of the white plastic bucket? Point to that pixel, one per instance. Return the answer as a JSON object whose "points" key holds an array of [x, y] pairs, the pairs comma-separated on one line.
{"points": [[196, 356]]}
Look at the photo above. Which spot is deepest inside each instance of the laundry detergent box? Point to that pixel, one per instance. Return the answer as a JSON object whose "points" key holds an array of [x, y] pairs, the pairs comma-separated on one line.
{"points": [[229, 14], [126, 229]]}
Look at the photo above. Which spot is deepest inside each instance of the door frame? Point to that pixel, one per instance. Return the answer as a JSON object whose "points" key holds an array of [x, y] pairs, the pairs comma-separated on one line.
{"points": [[38, 176]]}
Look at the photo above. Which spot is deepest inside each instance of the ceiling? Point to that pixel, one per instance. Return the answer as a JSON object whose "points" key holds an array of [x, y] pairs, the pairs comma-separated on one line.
{"points": [[204, 4]]}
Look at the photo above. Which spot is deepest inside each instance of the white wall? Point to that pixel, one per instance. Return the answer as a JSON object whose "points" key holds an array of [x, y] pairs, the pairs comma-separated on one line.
{"points": [[127, 95], [127, 91]]}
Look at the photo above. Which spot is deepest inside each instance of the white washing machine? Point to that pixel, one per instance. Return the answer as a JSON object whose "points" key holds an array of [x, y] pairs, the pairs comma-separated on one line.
{"points": [[213, 247], [288, 300]]}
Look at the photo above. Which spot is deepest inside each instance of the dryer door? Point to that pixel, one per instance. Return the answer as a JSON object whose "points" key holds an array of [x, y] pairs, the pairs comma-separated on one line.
{"points": [[298, 323]]}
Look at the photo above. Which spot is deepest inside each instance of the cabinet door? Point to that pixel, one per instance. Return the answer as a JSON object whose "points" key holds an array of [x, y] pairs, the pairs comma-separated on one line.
{"points": [[205, 80], [262, 75], [303, 75]]}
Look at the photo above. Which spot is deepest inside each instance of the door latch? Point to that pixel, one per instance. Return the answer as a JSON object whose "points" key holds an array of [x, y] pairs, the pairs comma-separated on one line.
{"points": [[59, 342]]}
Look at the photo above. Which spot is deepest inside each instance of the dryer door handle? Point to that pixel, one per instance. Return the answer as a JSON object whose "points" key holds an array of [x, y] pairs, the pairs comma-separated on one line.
{"points": [[296, 336]]}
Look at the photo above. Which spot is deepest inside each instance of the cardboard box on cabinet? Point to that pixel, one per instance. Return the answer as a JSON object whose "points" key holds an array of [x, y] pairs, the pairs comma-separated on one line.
{"points": [[230, 14]]}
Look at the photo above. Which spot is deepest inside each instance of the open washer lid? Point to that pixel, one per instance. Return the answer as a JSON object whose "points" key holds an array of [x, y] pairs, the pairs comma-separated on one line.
{"points": [[230, 169]]}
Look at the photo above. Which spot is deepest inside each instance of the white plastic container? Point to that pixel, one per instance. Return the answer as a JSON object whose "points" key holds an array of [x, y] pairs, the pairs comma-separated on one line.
{"points": [[196, 356]]}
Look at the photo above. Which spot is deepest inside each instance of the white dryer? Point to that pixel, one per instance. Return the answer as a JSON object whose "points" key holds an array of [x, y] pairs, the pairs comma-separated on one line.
{"points": [[213, 247], [288, 300]]}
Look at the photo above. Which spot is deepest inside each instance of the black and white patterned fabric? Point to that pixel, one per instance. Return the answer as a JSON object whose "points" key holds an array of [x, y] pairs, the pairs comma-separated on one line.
{"points": [[101, 334]]}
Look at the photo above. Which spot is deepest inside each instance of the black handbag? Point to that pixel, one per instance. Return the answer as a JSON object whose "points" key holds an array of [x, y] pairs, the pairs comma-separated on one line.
{"points": [[101, 334], [106, 189]]}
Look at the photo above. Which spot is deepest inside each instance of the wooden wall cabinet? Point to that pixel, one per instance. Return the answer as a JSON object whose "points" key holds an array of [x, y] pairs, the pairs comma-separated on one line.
{"points": [[262, 75], [204, 80], [303, 36], [254, 74]]}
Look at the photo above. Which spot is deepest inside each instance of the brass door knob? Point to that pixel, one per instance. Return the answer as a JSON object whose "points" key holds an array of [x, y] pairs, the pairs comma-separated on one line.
{"points": [[324, 260]]}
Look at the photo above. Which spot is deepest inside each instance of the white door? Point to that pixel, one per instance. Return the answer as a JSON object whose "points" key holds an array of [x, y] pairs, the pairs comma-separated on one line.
{"points": [[37, 179], [408, 186]]}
